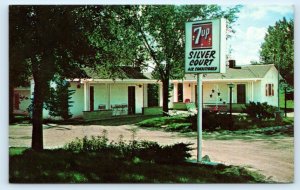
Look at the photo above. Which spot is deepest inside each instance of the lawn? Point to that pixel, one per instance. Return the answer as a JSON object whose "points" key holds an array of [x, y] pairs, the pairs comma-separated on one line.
{"points": [[289, 103], [64, 166], [211, 123]]}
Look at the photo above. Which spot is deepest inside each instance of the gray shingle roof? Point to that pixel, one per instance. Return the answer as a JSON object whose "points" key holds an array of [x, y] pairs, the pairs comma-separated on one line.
{"points": [[122, 72], [245, 72]]}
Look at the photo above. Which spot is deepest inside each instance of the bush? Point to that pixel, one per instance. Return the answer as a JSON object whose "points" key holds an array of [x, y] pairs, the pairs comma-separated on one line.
{"points": [[259, 111], [183, 127], [213, 121], [144, 150]]}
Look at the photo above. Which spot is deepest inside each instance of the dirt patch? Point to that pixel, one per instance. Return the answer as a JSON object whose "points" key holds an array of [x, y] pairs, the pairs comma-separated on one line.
{"points": [[272, 157]]}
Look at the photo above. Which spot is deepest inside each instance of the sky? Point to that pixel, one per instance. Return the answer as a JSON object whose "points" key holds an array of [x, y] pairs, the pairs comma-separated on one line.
{"points": [[251, 27]]}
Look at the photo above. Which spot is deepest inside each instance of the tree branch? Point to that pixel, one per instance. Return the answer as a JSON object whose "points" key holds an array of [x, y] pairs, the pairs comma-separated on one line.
{"points": [[150, 50]]}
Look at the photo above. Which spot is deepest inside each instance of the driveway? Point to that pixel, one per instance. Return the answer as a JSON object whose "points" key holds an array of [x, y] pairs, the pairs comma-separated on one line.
{"points": [[273, 157]]}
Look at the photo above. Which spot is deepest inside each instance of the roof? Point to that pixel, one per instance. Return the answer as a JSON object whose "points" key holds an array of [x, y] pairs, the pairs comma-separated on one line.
{"points": [[123, 72], [244, 72]]}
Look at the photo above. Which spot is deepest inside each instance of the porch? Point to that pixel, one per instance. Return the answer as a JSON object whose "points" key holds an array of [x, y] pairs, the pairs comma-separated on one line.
{"points": [[215, 94], [103, 99]]}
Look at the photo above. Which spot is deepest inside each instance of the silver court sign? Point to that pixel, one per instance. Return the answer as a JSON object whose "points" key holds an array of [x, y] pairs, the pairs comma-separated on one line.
{"points": [[205, 46]]}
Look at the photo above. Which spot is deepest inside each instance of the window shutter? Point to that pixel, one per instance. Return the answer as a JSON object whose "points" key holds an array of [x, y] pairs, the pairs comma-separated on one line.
{"points": [[272, 89], [266, 89]]}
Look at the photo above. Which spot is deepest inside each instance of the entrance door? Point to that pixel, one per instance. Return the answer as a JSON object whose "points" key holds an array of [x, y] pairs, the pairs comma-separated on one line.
{"points": [[91, 98], [131, 100], [17, 101], [241, 93]]}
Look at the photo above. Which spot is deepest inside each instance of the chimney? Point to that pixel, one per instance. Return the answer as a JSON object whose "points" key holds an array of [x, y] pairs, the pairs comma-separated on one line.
{"points": [[231, 63]]}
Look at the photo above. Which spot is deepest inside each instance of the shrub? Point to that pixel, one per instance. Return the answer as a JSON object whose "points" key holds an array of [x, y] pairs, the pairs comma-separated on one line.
{"points": [[213, 121], [58, 99], [85, 145], [259, 111], [144, 150], [183, 127]]}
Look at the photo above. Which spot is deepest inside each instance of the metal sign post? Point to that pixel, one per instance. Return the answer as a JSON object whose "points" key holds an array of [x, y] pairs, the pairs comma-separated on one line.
{"points": [[204, 53], [199, 120]]}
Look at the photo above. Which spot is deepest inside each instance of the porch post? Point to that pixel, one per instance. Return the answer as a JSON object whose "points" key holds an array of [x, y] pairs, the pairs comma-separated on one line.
{"points": [[145, 95], [86, 100], [252, 91], [31, 88], [160, 94], [108, 88], [175, 92]]}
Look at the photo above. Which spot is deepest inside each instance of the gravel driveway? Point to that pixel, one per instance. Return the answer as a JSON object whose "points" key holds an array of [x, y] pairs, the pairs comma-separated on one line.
{"points": [[272, 157]]}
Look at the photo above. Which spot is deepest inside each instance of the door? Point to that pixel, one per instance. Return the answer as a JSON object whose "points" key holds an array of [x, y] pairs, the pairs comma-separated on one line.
{"points": [[17, 101], [131, 100], [241, 93], [180, 92], [91, 98]]}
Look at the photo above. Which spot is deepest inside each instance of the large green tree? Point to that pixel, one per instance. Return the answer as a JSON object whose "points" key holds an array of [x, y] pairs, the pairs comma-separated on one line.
{"points": [[148, 36], [112, 29], [44, 41], [278, 48], [162, 29]]}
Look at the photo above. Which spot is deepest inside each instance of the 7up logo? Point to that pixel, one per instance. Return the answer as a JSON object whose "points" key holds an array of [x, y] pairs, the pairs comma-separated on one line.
{"points": [[202, 36]]}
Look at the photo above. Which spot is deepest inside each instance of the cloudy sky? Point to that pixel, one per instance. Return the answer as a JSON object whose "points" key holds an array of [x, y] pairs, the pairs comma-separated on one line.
{"points": [[251, 28]]}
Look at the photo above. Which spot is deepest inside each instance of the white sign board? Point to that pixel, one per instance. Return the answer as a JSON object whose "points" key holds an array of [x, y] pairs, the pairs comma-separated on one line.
{"points": [[205, 46]]}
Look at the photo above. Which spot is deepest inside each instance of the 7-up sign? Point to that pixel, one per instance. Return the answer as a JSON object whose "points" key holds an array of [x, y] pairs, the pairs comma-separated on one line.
{"points": [[202, 36], [205, 46]]}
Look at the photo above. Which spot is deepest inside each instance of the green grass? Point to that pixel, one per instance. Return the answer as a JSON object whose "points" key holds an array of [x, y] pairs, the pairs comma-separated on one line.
{"points": [[16, 151], [242, 123], [289, 103], [162, 121], [62, 166]]}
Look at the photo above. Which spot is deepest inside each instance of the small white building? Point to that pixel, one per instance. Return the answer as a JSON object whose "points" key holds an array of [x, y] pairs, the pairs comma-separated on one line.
{"points": [[129, 95], [257, 83]]}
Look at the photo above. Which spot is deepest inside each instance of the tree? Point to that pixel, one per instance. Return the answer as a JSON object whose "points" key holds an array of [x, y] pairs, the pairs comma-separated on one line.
{"points": [[113, 31], [162, 29], [59, 101], [278, 48], [45, 41], [139, 34]]}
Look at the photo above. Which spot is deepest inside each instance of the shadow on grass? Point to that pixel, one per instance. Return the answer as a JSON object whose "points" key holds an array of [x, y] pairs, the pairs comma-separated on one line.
{"points": [[61, 166], [115, 121]]}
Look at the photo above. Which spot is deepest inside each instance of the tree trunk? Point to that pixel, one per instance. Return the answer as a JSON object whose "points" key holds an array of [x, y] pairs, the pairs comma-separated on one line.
{"points": [[11, 104], [165, 97], [37, 118]]}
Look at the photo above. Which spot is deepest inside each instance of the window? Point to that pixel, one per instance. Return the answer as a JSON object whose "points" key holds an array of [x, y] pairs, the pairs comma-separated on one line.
{"points": [[269, 89], [180, 92]]}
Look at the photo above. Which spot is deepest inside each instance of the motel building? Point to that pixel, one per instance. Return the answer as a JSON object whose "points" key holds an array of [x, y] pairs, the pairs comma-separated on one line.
{"points": [[100, 98]]}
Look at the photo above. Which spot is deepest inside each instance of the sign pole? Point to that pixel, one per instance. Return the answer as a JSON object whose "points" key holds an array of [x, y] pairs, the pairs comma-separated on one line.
{"points": [[199, 120], [205, 53]]}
